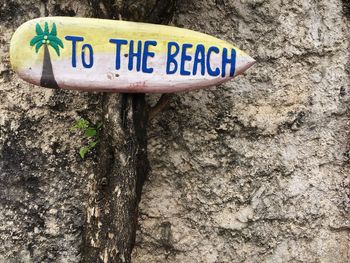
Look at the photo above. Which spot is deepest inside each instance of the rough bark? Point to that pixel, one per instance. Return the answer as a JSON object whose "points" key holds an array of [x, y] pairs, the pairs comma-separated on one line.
{"points": [[255, 170], [112, 212]]}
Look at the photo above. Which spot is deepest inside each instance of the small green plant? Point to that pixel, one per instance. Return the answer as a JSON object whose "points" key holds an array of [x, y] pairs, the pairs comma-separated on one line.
{"points": [[89, 132]]}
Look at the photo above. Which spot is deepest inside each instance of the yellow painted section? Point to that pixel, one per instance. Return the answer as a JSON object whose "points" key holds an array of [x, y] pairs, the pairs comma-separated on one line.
{"points": [[97, 33]]}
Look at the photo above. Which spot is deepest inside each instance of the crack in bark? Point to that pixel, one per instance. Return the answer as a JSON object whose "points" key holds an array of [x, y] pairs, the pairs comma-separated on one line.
{"points": [[140, 119]]}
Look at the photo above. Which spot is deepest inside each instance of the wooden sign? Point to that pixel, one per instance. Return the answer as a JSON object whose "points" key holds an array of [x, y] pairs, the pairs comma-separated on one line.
{"points": [[118, 56]]}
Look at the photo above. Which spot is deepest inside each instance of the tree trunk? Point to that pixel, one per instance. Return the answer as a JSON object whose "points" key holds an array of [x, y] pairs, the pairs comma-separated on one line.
{"points": [[47, 76], [112, 212]]}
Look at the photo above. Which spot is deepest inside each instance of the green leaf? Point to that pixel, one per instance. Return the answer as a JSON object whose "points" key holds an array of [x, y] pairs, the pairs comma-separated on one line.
{"points": [[93, 144], [90, 132], [83, 151], [38, 46], [55, 47], [46, 29], [53, 30], [36, 39], [56, 40], [38, 29], [81, 124]]}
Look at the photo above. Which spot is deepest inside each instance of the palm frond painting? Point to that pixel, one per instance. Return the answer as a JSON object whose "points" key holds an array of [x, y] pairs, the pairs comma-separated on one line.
{"points": [[45, 38]]}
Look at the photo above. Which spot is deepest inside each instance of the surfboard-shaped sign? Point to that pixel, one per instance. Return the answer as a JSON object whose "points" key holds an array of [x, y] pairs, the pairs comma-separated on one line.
{"points": [[118, 56]]}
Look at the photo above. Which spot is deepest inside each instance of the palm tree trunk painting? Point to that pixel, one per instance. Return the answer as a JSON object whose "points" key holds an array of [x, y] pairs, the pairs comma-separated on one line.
{"points": [[46, 38], [47, 76]]}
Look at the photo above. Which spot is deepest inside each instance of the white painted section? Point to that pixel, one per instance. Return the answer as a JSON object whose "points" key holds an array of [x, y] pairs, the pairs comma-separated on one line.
{"points": [[104, 77]]}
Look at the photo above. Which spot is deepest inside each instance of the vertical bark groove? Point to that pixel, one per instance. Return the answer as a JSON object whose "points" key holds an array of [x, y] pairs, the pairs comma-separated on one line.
{"points": [[140, 118]]}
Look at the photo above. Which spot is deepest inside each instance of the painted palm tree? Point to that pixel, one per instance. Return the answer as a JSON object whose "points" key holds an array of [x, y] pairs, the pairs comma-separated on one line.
{"points": [[46, 38]]}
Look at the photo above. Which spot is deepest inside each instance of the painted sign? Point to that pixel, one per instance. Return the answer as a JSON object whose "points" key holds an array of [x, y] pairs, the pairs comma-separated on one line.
{"points": [[118, 56]]}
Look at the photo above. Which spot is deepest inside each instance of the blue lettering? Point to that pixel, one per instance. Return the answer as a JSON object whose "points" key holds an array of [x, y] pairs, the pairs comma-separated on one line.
{"points": [[119, 43], [136, 54], [231, 61], [171, 57], [147, 54], [199, 58], [211, 72], [91, 55], [74, 40], [184, 58]]}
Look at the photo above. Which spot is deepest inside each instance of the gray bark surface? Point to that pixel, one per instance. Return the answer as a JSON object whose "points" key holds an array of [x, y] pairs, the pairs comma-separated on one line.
{"points": [[256, 170], [115, 191]]}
